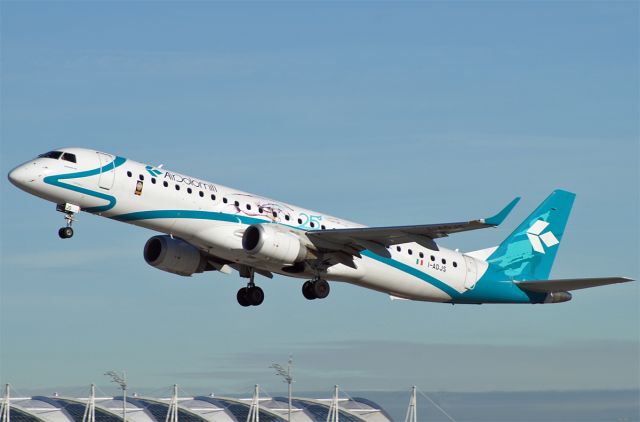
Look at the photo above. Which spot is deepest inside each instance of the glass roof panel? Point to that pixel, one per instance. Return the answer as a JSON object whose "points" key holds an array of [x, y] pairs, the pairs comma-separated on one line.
{"points": [[17, 415], [76, 410]]}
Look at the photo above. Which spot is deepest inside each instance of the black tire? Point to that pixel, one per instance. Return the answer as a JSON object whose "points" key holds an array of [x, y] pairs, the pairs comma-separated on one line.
{"points": [[307, 290], [255, 296], [321, 288], [65, 232], [243, 297]]}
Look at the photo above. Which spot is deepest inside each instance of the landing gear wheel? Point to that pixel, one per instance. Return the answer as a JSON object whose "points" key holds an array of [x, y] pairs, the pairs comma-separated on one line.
{"points": [[321, 288], [243, 297], [65, 232], [251, 295], [255, 295], [307, 290]]}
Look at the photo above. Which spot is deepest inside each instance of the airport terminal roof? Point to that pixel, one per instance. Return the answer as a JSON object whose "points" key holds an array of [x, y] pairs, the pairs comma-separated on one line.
{"points": [[191, 409]]}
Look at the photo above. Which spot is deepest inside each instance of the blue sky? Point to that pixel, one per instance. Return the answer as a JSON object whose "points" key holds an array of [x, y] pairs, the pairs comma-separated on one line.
{"points": [[383, 113]]}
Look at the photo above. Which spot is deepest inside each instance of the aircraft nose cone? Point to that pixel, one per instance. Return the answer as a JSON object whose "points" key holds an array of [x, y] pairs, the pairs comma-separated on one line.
{"points": [[18, 176]]}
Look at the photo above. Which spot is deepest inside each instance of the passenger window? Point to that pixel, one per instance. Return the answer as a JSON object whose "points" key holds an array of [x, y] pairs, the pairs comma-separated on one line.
{"points": [[455, 264], [444, 261], [129, 174], [323, 227], [312, 224], [433, 258], [189, 190], [201, 194], [213, 197], [398, 248], [236, 203], [410, 252], [224, 200], [249, 206], [275, 214], [299, 220], [260, 210], [165, 184], [287, 217], [421, 255], [177, 187], [141, 177], [153, 180]]}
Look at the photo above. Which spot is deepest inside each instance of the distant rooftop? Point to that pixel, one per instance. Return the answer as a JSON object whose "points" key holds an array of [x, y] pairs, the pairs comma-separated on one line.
{"points": [[191, 409]]}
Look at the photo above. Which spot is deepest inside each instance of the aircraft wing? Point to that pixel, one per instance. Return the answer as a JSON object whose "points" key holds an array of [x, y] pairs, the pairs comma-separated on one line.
{"points": [[377, 239], [553, 286]]}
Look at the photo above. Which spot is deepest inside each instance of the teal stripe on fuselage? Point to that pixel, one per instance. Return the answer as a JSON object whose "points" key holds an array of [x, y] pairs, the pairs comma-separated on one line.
{"points": [[55, 181], [414, 272], [191, 214], [486, 290]]}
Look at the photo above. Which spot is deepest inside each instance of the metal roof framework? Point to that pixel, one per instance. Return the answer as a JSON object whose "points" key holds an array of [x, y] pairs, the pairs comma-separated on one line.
{"points": [[192, 409]]}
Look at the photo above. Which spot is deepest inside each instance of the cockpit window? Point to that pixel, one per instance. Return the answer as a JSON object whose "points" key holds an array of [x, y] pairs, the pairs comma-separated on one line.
{"points": [[69, 157], [51, 154]]}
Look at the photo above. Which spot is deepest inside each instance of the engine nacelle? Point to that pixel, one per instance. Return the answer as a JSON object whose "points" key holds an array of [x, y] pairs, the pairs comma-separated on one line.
{"points": [[273, 243], [174, 255]]}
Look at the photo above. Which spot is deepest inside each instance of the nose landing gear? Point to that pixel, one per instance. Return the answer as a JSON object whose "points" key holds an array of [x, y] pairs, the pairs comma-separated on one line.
{"points": [[70, 211], [65, 232]]}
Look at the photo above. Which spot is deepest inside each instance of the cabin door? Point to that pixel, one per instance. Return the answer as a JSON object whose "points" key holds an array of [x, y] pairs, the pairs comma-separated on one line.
{"points": [[107, 171]]}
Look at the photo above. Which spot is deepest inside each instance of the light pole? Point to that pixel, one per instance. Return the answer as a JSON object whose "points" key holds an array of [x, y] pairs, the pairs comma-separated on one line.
{"points": [[122, 382], [288, 378]]}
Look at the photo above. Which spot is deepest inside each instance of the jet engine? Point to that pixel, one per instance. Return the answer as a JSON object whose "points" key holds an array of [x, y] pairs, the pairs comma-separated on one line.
{"points": [[174, 255], [274, 243]]}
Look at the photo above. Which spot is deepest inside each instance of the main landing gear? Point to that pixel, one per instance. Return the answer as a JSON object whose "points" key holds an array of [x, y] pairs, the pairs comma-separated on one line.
{"points": [[69, 211], [315, 289], [251, 295]]}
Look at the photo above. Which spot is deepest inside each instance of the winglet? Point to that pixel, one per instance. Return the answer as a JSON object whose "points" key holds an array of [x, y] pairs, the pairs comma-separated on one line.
{"points": [[499, 217]]}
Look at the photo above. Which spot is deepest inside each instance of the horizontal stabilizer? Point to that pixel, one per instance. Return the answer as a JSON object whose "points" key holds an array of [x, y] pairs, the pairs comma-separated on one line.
{"points": [[552, 286]]}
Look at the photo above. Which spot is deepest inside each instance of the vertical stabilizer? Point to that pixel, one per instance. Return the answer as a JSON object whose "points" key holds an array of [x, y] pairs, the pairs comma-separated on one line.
{"points": [[528, 253]]}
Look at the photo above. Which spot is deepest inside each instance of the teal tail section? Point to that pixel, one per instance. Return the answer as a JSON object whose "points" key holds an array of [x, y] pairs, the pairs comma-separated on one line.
{"points": [[528, 253]]}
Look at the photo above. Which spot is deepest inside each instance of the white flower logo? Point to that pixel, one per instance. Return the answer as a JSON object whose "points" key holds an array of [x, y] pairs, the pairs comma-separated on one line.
{"points": [[537, 239]]}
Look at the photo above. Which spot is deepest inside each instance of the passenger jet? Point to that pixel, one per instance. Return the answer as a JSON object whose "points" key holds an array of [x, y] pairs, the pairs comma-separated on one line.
{"points": [[209, 227]]}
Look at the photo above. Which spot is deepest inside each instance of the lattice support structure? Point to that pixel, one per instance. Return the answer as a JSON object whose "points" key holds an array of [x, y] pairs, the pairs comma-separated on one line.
{"points": [[90, 408], [5, 410], [334, 409], [254, 410], [412, 415], [172, 413]]}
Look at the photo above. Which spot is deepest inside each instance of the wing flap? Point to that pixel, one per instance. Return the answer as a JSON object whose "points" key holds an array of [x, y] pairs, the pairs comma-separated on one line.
{"points": [[563, 285]]}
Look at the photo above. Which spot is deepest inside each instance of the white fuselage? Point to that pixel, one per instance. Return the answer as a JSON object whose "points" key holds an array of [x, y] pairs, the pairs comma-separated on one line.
{"points": [[213, 218]]}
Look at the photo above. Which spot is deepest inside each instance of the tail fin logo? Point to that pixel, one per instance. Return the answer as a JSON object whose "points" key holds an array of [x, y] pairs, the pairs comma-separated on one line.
{"points": [[538, 238]]}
